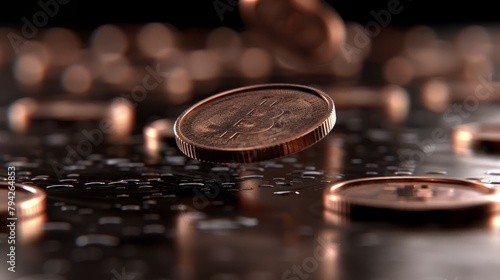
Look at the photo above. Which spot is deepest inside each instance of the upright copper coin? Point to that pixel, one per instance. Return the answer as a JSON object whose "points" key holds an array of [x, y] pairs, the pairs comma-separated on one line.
{"points": [[255, 123]]}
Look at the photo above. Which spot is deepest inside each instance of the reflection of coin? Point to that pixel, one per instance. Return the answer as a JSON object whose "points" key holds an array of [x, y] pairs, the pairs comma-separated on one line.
{"points": [[255, 123], [403, 197], [27, 201], [310, 30], [477, 138]]}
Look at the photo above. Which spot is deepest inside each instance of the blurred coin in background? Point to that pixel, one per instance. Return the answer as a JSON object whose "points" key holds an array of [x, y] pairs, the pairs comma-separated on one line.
{"points": [[309, 32]]}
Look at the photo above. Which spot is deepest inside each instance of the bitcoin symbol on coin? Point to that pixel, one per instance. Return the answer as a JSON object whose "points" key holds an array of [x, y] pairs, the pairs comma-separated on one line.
{"points": [[254, 123], [259, 119]]}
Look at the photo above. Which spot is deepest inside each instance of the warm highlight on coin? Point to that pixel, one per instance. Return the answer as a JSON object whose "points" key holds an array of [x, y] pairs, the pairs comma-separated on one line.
{"points": [[255, 123]]}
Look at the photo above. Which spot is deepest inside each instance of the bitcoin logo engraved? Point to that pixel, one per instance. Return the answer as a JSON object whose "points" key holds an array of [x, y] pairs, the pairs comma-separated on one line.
{"points": [[257, 120], [254, 123]]}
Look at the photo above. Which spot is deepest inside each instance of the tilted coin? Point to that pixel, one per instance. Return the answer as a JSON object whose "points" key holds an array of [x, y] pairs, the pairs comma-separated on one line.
{"points": [[308, 30], [477, 138], [412, 198], [255, 123]]}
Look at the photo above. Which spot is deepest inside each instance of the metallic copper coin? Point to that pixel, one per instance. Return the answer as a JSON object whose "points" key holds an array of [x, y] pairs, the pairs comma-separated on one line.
{"points": [[23, 210], [255, 123], [438, 94], [159, 129], [309, 30], [477, 138], [156, 134], [393, 100], [412, 197], [113, 117], [21, 200]]}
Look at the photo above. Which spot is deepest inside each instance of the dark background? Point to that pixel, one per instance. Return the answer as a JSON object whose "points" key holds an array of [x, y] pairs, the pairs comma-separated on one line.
{"points": [[88, 14]]}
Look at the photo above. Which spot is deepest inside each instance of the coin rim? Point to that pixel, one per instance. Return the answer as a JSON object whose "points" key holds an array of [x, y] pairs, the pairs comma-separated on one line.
{"points": [[29, 207], [262, 152], [334, 201]]}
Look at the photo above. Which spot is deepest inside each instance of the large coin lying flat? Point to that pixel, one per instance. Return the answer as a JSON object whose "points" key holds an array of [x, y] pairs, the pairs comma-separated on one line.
{"points": [[412, 199], [255, 123]]}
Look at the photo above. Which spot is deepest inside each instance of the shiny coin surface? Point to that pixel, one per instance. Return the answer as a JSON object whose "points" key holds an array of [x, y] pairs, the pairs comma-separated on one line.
{"points": [[255, 123], [411, 197], [308, 30], [477, 138], [20, 200]]}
